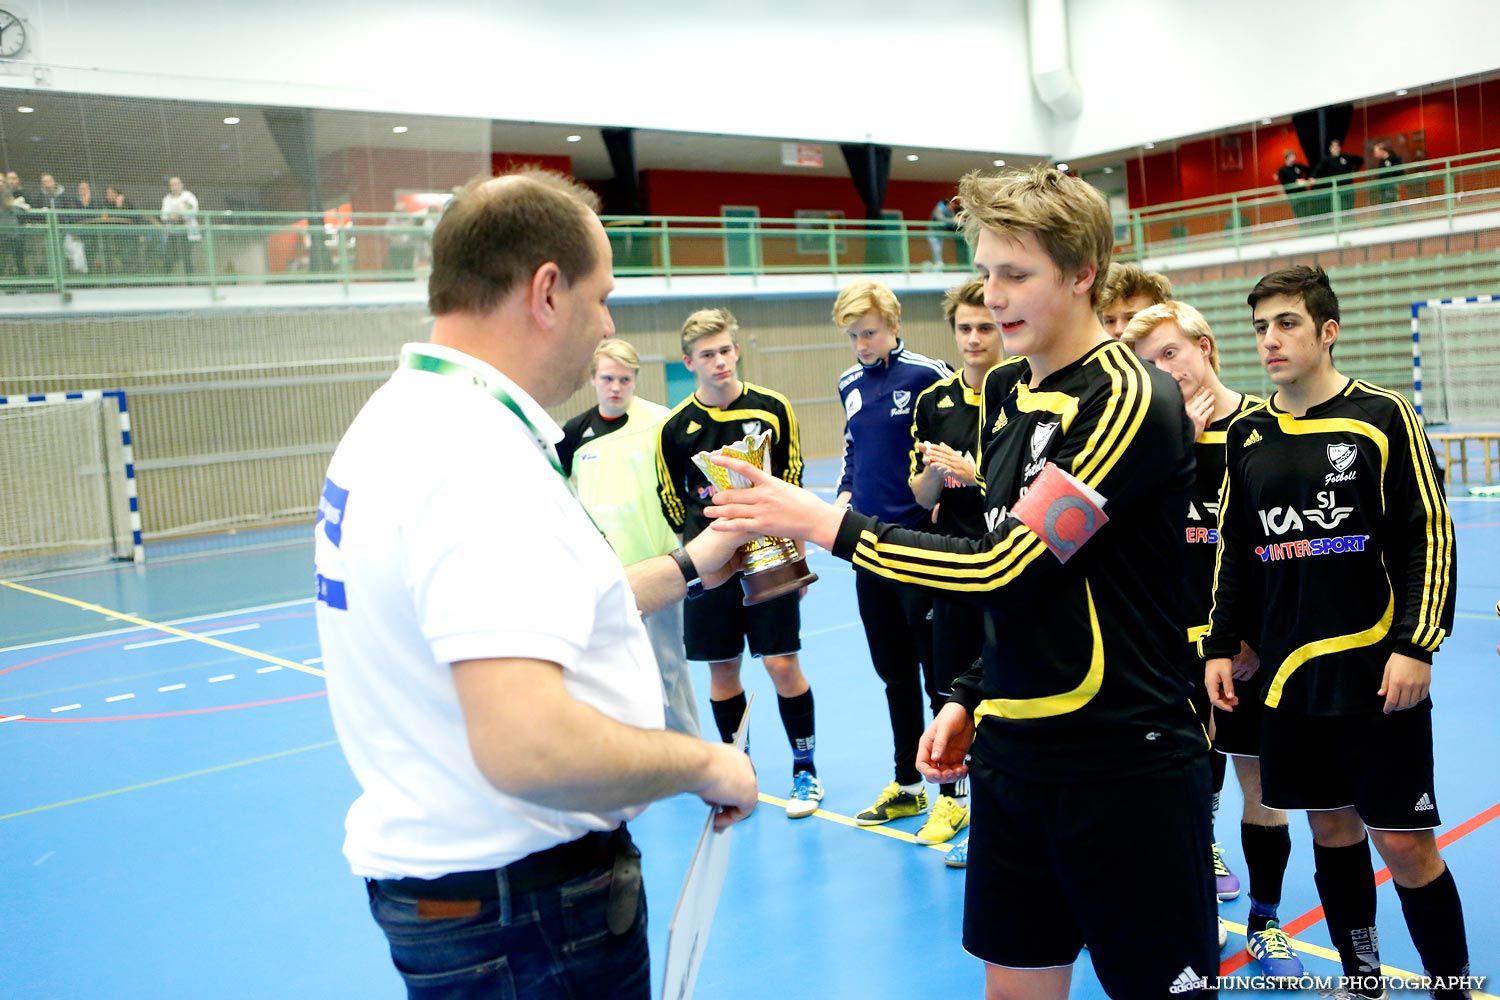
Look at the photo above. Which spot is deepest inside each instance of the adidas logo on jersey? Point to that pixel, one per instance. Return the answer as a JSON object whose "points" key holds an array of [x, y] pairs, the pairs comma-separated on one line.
{"points": [[1000, 422], [1424, 804], [1187, 981], [946, 403], [588, 432], [1254, 438], [694, 427]]}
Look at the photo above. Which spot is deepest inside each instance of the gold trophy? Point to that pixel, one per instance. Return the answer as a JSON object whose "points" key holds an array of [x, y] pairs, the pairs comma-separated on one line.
{"points": [[773, 566]]}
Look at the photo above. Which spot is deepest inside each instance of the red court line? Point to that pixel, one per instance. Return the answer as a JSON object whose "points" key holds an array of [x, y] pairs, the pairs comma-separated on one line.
{"points": [[186, 711], [1292, 928], [136, 635]]}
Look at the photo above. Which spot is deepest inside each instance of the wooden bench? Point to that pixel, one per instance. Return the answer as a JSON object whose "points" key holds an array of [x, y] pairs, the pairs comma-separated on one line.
{"points": [[1458, 441]]}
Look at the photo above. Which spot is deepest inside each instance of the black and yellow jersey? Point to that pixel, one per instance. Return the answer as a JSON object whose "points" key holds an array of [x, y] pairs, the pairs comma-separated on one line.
{"points": [[1341, 514], [1093, 677], [947, 412], [693, 427], [1202, 532]]}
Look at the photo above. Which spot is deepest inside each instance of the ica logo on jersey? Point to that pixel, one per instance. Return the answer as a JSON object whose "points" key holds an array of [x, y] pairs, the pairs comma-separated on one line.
{"points": [[1327, 514]]}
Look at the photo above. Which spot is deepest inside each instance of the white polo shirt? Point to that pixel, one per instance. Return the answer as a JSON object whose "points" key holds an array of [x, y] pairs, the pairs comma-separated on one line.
{"points": [[445, 534]]}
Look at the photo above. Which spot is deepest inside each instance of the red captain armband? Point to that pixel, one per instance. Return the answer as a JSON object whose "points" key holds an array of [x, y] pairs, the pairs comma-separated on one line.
{"points": [[1061, 510]]}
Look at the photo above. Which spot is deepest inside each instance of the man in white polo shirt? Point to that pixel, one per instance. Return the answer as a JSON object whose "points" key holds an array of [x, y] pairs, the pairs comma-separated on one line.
{"points": [[491, 682]]}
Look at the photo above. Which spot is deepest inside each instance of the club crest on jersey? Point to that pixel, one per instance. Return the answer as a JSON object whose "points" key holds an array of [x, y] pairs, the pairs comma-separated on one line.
{"points": [[1040, 435], [902, 399], [1340, 456], [750, 426]]}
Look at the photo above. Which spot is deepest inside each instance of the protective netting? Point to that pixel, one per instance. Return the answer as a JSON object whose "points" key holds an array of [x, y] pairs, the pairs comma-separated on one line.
{"points": [[1458, 346], [64, 498]]}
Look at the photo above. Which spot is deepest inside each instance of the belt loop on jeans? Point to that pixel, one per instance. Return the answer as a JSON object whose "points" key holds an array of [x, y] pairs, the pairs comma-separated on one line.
{"points": [[535, 871]]}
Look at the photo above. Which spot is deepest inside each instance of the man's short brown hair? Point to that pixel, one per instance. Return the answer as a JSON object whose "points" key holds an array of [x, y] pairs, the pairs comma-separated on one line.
{"points": [[1126, 281], [496, 233], [1310, 284], [1067, 216], [706, 323], [970, 293]]}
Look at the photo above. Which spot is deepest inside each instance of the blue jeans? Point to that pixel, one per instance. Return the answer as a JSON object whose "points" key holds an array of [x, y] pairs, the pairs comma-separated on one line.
{"points": [[543, 945]]}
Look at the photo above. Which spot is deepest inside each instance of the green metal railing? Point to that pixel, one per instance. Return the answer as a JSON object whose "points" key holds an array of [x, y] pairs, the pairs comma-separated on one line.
{"points": [[61, 252]]}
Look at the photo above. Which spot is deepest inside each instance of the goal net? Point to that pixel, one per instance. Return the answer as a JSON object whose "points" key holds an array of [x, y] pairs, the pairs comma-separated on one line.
{"points": [[1456, 360], [67, 482]]}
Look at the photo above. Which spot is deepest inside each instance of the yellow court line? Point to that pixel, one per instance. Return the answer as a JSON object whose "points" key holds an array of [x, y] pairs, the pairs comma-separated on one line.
{"points": [[166, 781], [834, 817], [170, 630], [1333, 956]]}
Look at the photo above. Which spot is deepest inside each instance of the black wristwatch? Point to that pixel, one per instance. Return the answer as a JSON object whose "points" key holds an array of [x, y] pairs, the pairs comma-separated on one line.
{"points": [[689, 573]]}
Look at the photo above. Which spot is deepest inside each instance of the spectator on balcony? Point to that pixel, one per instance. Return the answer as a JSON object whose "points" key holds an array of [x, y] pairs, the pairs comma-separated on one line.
{"points": [[84, 200], [1295, 179], [122, 247], [1337, 164], [14, 189], [53, 195], [12, 250], [21, 207], [179, 213], [940, 232], [1387, 166]]}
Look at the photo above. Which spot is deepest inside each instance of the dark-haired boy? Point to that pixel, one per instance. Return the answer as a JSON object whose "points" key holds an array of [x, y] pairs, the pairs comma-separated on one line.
{"points": [[1334, 525]]}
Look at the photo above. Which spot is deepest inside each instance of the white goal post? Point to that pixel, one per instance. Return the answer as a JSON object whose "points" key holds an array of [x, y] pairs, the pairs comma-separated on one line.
{"points": [[1455, 357], [67, 481]]}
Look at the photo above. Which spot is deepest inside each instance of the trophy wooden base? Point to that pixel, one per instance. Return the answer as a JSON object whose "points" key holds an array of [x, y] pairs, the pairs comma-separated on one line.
{"points": [[772, 583]]}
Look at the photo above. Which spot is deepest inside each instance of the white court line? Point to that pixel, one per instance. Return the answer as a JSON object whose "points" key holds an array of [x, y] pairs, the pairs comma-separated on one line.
{"points": [[315, 659], [221, 677], [66, 708], [171, 687], [142, 628], [823, 631], [267, 670], [12, 718], [190, 638], [119, 697]]}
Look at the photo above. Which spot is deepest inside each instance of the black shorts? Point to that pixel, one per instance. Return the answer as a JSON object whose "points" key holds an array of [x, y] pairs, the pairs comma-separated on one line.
{"points": [[1379, 764], [1237, 733], [957, 640], [716, 625], [1123, 865]]}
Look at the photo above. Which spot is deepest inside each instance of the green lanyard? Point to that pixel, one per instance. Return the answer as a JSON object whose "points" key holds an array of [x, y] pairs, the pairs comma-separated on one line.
{"points": [[414, 357]]}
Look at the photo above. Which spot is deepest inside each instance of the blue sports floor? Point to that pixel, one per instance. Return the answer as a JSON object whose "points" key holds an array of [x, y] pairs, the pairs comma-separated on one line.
{"points": [[172, 801]]}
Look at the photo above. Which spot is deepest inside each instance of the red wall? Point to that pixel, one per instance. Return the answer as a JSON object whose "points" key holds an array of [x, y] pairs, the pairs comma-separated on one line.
{"points": [[779, 196], [1464, 120]]}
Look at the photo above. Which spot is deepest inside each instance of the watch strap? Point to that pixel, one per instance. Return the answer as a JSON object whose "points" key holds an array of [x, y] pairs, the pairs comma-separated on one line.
{"points": [[689, 572]]}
